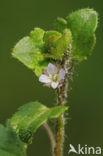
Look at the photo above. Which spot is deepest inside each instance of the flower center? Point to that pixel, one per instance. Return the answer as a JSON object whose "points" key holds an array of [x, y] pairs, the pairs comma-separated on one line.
{"points": [[54, 77]]}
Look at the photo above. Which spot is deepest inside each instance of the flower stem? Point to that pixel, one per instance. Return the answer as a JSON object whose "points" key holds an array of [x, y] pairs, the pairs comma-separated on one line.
{"points": [[51, 137], [61, 100]]}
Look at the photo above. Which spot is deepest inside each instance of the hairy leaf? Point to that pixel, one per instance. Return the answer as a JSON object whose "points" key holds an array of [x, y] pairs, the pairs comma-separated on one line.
{"points": [[83, 24], [62, 44], [10, 144], [31, 116], [59, 45], [29, 51], [49, 34], [61, 24], [37, 36]]}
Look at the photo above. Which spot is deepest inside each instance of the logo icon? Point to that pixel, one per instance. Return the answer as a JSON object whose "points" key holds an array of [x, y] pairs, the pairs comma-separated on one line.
{"points": [[72, 149], [85, 150]]}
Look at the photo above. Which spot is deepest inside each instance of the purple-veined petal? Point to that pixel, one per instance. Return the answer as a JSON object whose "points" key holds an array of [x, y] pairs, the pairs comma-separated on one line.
{"points": [[54, 85], [52, 69], [44, 79], [61, 74]]}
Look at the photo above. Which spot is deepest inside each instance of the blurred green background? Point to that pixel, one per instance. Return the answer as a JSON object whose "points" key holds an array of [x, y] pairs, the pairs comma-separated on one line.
{"points": [[18, 85]]}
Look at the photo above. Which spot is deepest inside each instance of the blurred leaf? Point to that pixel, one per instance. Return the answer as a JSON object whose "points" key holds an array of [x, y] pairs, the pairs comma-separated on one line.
{"points": [[10, 144], [61, 24], [83, 24], [5, 153], [29, 51], [31, 116]]}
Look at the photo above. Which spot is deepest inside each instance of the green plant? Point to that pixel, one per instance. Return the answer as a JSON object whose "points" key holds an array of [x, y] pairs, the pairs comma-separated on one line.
{"points": [[51, 55]]}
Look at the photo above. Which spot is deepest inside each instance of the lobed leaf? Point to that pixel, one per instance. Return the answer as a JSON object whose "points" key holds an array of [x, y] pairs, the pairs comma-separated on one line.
{"points": [[58, 45], [31, 116], [62, 44], [61, 24], [29, 51], [10, 144], [49, 34], [38, 49], [83, 24], [37, 35]]}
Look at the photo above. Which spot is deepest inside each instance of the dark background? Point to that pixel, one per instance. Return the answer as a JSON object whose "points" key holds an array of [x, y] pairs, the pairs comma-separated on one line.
{"points": [[18, 85]]}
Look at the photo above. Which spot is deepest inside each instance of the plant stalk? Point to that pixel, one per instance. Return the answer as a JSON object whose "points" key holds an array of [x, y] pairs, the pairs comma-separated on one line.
{"points": [[61, 100]]}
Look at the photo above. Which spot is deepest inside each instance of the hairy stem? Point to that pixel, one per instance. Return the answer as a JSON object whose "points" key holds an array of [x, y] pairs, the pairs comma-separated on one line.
{"points": [[51, 137], [61, 100]]}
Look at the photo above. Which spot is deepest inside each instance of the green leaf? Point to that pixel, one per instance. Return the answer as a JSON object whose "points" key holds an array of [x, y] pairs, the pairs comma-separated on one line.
{"points": [[49, 34], [61, 24], [62, 44], [31, 116], [59, 45], [37, 36], [5, 153], [83, 24], [10, 144], [29, 51]]}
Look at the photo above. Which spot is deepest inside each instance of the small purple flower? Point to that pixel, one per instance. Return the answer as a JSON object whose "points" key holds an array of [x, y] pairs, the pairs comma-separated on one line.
{"points": [[52, 76]]}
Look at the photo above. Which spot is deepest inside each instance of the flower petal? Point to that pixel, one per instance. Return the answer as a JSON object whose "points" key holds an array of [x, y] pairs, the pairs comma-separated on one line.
{"points": [[47, 84], [61, 74], [52, 69], [44, 79], [54, 84]]}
